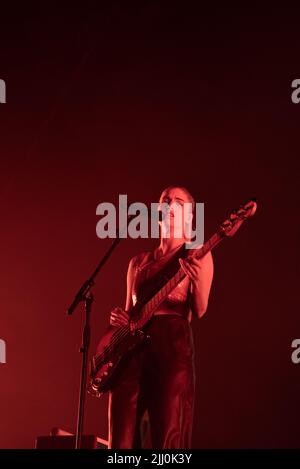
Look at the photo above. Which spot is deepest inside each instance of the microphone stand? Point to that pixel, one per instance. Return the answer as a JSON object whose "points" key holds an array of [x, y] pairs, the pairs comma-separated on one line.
{"points": [[84, 295]]}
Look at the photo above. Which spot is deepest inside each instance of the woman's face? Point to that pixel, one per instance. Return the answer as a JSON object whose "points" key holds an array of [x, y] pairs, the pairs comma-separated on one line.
{"points": [[176, 207]]}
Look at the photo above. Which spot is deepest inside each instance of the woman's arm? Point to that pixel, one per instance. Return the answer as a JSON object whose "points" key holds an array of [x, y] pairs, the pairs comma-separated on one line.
{"points": [[130, 277], [200, 272], [119, 316]]}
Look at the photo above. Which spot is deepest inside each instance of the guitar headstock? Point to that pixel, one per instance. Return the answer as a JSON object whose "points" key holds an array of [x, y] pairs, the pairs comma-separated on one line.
{"points": [[230, 226]]}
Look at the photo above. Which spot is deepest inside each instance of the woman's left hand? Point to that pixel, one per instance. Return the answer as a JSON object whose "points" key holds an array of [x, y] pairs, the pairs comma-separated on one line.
{"points": [[192, 268]]}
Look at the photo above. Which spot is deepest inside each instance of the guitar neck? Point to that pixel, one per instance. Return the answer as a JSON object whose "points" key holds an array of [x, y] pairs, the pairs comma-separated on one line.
{"points": [[149, 308]]}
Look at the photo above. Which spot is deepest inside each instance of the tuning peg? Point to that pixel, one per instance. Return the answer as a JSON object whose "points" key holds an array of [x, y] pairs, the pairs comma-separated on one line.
{"points": [[225, 224], [241, 213], [253, 199]]}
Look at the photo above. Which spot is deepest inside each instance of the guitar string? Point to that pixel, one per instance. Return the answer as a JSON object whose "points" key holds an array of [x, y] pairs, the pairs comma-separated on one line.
{"points": [[119, 335], [210, 244], [122, 333]]}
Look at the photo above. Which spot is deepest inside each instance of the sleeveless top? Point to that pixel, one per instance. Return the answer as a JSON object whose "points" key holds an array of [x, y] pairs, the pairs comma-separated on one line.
{"points": [[146, 265]]}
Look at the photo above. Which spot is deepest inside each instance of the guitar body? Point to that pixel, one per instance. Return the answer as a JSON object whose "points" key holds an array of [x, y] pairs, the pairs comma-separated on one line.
{"points": [[112, 350]]}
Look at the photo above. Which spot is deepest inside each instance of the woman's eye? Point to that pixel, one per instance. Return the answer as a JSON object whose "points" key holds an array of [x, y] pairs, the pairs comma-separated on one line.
{"points": [[177, 203]]}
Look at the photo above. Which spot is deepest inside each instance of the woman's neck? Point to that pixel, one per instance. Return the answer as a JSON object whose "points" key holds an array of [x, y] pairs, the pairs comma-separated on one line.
{"points": [[169, 244]]}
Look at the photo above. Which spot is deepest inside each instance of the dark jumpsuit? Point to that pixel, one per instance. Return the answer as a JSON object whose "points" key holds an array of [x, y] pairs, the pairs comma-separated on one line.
{"points": [[159, 377]]}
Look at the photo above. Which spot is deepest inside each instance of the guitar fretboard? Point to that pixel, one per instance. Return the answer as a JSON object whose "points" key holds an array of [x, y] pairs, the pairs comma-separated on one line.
{"points": [[149, 308]]}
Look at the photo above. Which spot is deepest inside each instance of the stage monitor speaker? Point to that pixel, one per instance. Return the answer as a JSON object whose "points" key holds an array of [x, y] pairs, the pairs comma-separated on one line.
{"points": [[60, 439], [65, 442]]}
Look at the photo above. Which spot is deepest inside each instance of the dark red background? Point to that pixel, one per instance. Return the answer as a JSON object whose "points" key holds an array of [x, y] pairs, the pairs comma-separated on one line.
{"points": [[110, 100]]}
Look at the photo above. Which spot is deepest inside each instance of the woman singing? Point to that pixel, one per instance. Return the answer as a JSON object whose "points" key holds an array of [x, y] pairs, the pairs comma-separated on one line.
{"points": [[160, 376]]}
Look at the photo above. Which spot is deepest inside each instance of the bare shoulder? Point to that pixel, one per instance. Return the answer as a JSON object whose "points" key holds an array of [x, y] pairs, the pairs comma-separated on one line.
{"points": [[208, 259], [140, 259]]}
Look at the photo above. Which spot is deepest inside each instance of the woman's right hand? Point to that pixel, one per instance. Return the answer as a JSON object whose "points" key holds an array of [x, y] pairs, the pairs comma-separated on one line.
{"points": [[119, 317]]}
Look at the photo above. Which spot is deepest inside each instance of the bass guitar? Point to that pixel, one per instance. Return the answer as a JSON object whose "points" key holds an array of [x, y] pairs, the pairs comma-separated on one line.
{"points": [[118, 342]]}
